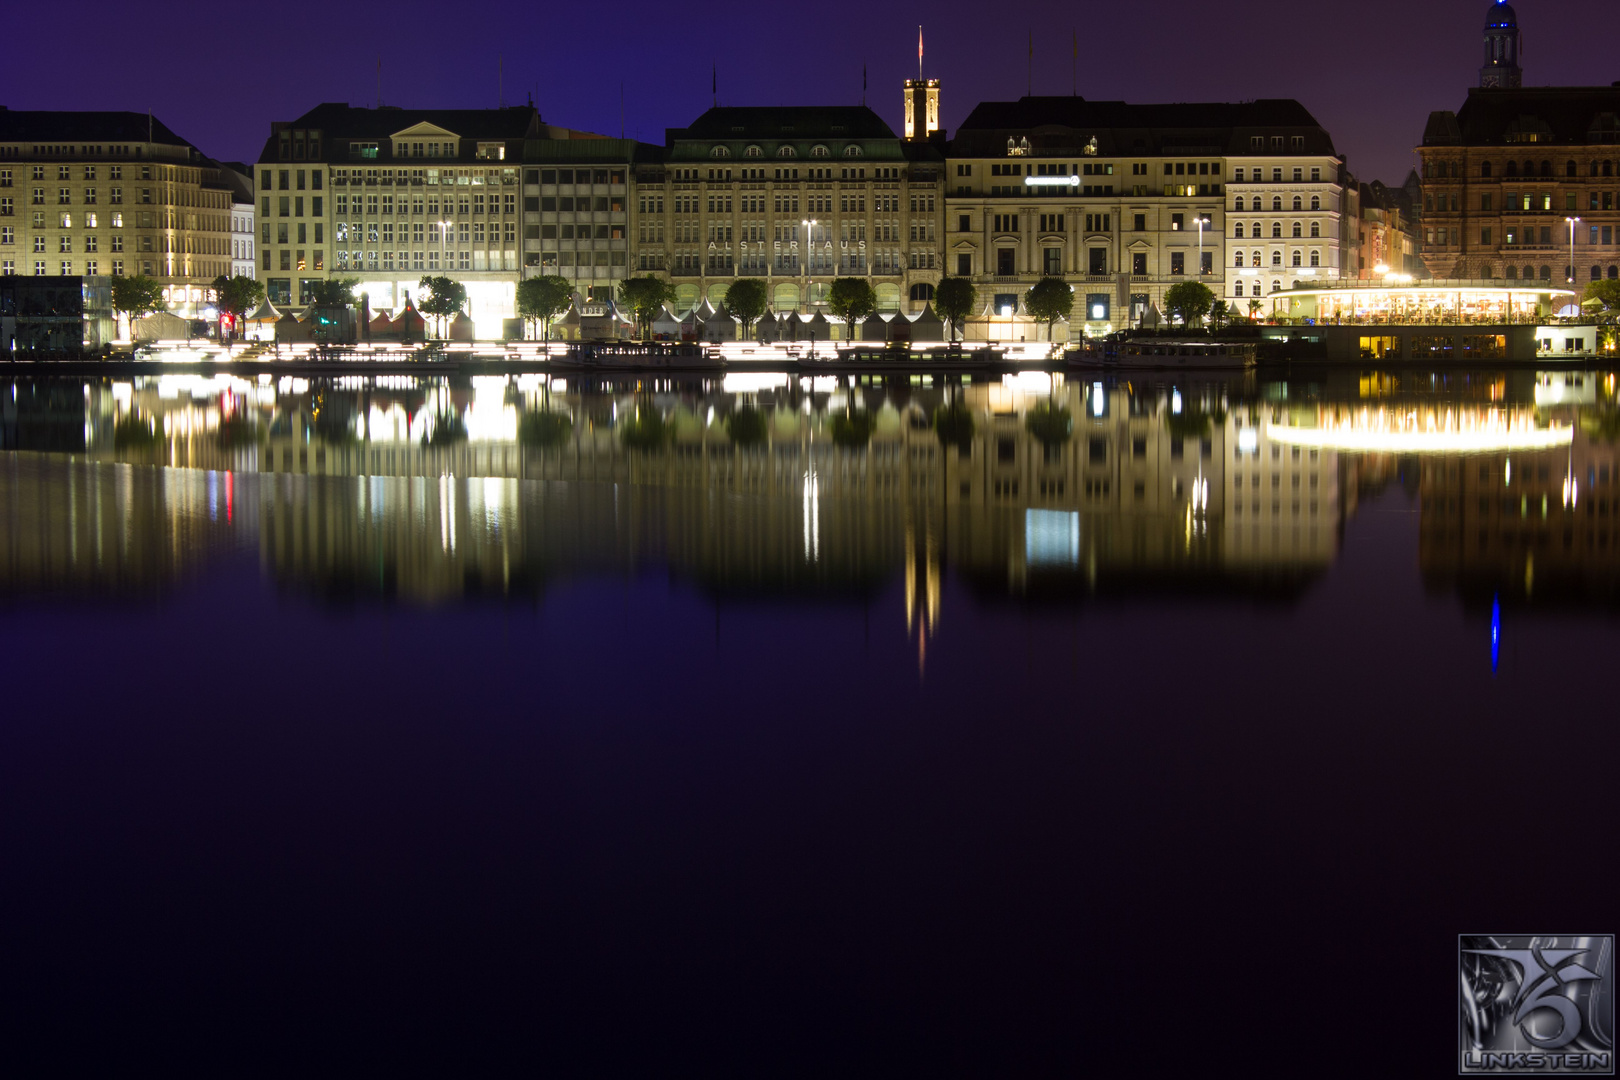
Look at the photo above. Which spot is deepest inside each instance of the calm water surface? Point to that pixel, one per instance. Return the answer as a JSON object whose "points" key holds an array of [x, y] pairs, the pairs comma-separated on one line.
{"points": [[516, 727]]}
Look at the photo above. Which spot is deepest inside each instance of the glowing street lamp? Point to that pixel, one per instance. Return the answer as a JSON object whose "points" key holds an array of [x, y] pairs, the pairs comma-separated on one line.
{"points": [[1572, 222], [808, 223]]}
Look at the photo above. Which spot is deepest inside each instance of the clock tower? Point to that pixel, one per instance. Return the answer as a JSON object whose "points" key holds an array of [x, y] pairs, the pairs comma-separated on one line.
{"points": [[1501, 67]]}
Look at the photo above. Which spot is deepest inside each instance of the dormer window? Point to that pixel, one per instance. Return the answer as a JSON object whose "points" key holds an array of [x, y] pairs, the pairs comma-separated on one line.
{"points": [[852, 151], [787, 152], [753, 152], [720, 152], [491, 151], [819, 151]]}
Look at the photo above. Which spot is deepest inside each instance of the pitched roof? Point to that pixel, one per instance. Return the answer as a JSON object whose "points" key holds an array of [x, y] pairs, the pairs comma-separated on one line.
{"points": [[339, 122], [785, 122], [1063, 124], [85, 126], [1570, 115]]}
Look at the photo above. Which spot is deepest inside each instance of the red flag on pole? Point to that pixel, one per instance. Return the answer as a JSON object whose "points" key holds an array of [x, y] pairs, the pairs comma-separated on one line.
{"points": [[919, 54]]}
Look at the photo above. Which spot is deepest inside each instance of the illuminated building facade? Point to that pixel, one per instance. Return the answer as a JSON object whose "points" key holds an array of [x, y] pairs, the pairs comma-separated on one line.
{"points": [[390, 196], [576, 209], [1110, 196], [795, 197], [111, 193], [244, 235], [1523, 182]]}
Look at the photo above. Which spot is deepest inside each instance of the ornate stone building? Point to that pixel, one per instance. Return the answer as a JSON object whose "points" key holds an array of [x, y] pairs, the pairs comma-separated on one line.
{"points": [[389, 195], [1520, 179], [111, 193], [1125, 201], [795, 196]]}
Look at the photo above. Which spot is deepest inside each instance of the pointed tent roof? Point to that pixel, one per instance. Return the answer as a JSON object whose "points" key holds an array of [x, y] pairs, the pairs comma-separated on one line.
{"points": [[666, 321], [265, 312], [928, 326], [705, 310], [818, 325], [382, 324]]}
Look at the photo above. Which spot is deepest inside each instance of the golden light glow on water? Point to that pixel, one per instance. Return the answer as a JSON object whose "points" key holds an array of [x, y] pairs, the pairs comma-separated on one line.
{"points": [[1424, 431]]}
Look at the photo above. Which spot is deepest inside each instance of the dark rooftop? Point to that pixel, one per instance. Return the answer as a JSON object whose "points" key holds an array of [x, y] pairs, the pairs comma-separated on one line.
{"points": [[1062, 123], [85, 127], [786, 123], [1571, 115]]}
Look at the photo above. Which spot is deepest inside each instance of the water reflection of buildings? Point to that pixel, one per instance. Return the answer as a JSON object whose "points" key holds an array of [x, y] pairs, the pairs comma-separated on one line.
{"points": [[418, 488]]}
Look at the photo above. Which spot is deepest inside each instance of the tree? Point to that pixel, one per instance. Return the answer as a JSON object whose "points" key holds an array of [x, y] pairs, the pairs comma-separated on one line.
{"points": [[236, 296], [852, 300], [1219, 313], [645, 297], [1049, 300], [544, 298], [1190, 299], [440, 297], [955, 298], [747, 426], [953, 426], [335, 292], [746, 301], [1606, 292], [1254, 308], [136, 297], [1051, 424]]}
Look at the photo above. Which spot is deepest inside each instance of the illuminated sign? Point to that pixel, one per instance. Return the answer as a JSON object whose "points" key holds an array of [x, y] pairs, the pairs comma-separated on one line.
{"points": [[1052, 181]]}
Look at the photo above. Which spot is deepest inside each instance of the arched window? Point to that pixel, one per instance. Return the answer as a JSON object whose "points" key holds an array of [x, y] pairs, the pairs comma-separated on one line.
{"points": [[1546, 273], [753, 151], [1614, 272], [852, 151], [1546, 168], [1299, 203], [1276, 286], [1512, 169], [1485, 169], [1276, 202], [1299, 260], [1608, 168], [1254, 230], [1239, 205], [1238, 261], [1316, 258], [1316, 228], [1298, 230], [1594, 167], [819, 151], [1529, 273], [1237, 233], [1569, 169], [1276, 258], [1529, 168], [1597, 272], [1454, 170], [1256, 261], [1512, 273], [720, 152], [1276, 230], [787, 152], [922, 292], [1316, 202]]}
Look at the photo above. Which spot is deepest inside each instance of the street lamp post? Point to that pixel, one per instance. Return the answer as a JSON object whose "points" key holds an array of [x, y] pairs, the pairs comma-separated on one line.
{"points": [[1201, 223], [444, 258], [808, 223], [1572, 222]]}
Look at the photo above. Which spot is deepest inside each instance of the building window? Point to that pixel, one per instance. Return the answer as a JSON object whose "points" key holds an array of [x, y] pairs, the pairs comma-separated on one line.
{"points": [[1178, 263]]}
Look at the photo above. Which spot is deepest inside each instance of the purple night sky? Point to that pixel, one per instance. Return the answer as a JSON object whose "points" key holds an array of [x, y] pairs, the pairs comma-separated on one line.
{"points": [[1371, 71]]}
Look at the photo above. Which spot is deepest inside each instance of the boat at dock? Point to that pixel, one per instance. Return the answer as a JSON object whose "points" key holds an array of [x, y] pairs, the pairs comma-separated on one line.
{"points": [[1191, 353]]}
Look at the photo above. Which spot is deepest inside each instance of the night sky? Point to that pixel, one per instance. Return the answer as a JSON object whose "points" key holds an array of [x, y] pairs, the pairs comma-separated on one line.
{"points": [[1370, 71]]}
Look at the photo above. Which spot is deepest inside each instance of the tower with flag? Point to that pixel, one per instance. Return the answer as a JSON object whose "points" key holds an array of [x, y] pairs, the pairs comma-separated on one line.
{"points": [[922, 100]]}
